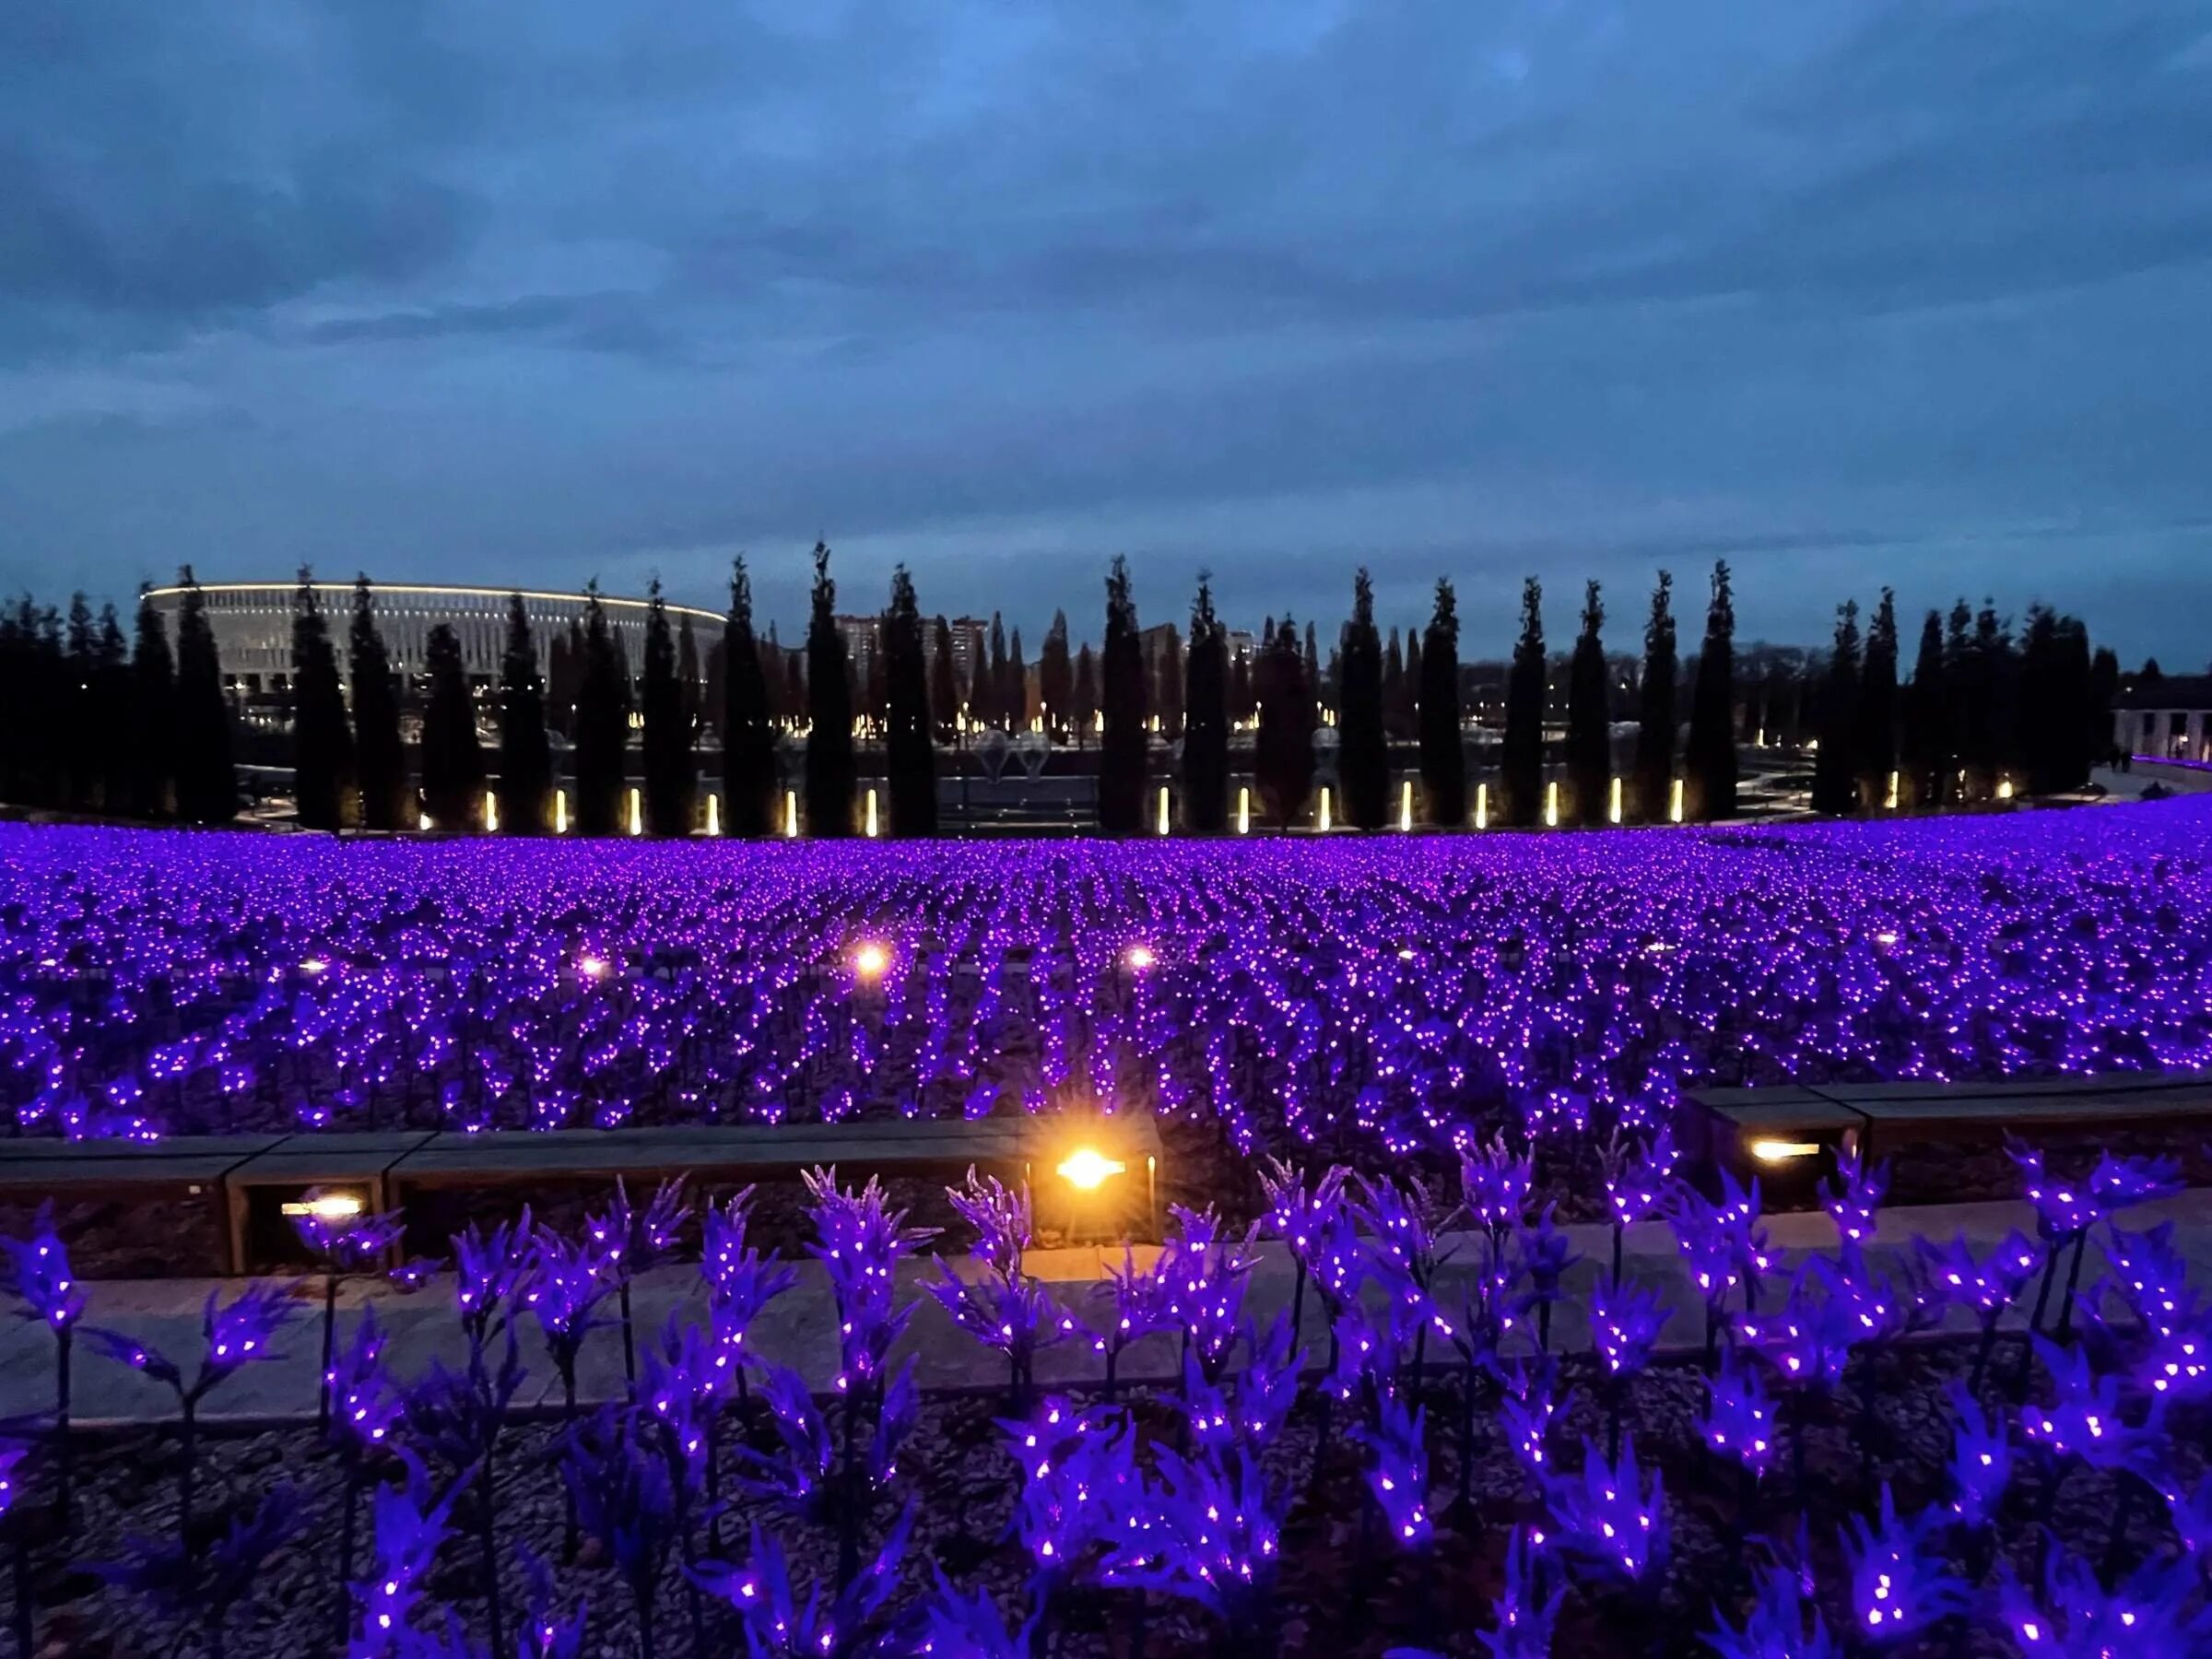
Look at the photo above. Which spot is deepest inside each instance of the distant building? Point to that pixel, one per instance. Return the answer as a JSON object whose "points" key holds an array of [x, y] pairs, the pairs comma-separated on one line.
{"points": [[2169, 717], [862, 636], [253, 625], [970, 646]]}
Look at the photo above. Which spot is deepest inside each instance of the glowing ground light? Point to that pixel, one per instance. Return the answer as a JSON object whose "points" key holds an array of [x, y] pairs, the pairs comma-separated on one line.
{"points": [[1140, 956], [1781, 1151], [1551, 804], [313, 965], [592, 966], [1482, 805], [1086, 1168], [1324, 807], [331, 1206], [870, 960]]}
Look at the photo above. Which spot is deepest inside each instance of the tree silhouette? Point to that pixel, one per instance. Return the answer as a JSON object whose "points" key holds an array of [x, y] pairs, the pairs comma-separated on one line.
{"points": [[153, 713], [1013, 690], [206, 783], [75, 718], [1055, 676], [671, 765], [1083, 698], [1655, 706], [1123, 746], [1283, 753], [111, 713], [453, 762], [602, 722], [1589, 715], [832, 773], [1520, 760], [1205, 719], [987, 696], [1709, 759], [749, 746], [1926, 747], [526, 756], [322, 745], [1873, 730], [1435, 681], [380, 761], [1835, 766], [1362, 754], [1167, 681], [1397, 695], [910, 756]]}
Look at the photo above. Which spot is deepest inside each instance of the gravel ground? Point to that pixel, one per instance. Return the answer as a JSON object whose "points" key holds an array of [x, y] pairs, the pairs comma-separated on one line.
{"points": [[1341, 1594]]}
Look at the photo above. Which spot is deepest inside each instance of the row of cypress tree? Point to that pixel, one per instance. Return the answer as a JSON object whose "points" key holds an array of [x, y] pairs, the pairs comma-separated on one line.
{"points": [[146, 734]]}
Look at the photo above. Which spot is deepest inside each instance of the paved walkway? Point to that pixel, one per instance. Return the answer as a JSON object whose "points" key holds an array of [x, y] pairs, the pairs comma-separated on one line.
{"points": [[799, 1330]]}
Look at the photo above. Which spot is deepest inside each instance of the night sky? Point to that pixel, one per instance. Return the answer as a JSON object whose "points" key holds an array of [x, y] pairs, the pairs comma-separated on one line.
{"points": [[507, 292]]}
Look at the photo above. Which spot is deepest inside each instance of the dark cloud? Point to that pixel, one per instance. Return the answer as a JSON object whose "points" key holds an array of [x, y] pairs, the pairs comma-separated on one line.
{"points": [[1852, 291]]}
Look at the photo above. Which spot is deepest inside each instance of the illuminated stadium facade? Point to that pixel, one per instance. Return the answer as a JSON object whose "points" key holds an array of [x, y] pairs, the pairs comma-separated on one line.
{"points": [[252, 624]]}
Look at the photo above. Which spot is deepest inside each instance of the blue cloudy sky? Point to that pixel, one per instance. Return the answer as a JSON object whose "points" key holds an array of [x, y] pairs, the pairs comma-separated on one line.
{"points": [[529, 290]]}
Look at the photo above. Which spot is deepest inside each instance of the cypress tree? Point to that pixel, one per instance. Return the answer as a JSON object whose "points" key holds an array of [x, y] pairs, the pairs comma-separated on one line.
{"points": [[1313, 666], [1709, 759], [687, 685], [832, 773], [1013, 694], [380, 761], [1414, 683], [322, 745], [1961, 700], [2098, 745], [1589, 715], [1168, 681], [910, 756], [111, 713], [795, 679], [1436, 711], [75, 719], [453, 762], [1055, 676], [987, 697], [1397, 699], [1996, 712], [1123, 746], [564, 672], [153, 713], [526, 756], [671, 765], [749, 746], [1083, 698], [1240, 696], [1655, 707], [1873, 736], [1283, 752], [1205, 719], [602, 722], [1362, 754], [207, 783], [1520, 760], [1925, 758], [1835, 766]]}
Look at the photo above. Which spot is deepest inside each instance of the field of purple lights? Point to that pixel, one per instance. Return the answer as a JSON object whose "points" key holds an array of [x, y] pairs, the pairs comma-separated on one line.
{"points": [[1410, 992]]}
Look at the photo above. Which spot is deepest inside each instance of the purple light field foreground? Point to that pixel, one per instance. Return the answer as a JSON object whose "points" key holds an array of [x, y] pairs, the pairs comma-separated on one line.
{"points": [[1359, 995]]}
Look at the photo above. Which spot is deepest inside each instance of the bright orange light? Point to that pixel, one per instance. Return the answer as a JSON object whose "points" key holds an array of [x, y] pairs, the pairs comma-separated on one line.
{"points": [[313, 965], [1781, 1151], [871, 960], [1086, 1168], [1140, 956], [331, 1206], [592, 966]]}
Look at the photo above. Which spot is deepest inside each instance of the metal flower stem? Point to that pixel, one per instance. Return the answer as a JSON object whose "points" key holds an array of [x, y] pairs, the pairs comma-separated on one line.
{"points": [[25, 1635], [630, 1346], [2042, 1296], [65, 1457], [2065, 1305], [2123, 1511], [330, 1329], [1298, 1299]]}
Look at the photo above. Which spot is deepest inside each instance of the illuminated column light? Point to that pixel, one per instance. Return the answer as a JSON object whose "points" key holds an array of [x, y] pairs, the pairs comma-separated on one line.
{"points": [[1891, 802], [1163, 808], [1613, 804], [1482, 805], [422, 820], [491, 812], [561, 812], [1406, 805], [2003, 789], [1244, 810], [1551, 804], [791, 814], [1674, 803], [1097, 721], [1324, 807], [713, 814], [871, 815], [637, 812]]}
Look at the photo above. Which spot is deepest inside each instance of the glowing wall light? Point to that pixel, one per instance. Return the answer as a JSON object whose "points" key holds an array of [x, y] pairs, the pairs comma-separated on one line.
{"points": [[1324, 807], [422, 820], [1613, 804], [325, 1207], [1482, 805], [713, 814], [561, 812], [1087, 1169], [1244, 810], [1781, 1151], [1163, 808], [2003, 789], [872, 827], [637, 811], [491, 812], [1551, 804], [870, 960], [1674, 803], [791, 814], [1891, 802], [1406, 804]]}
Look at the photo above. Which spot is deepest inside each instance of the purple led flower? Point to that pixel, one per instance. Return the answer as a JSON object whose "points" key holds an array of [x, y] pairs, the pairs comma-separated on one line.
{"points": [[1625, 1323], [1783, 1625], [1857, 1193], [970, 1626], [1204, 1532], [1952, 1275], [1004, 1308], [740, 1281], [1078, 1468], [1494, 1185], [861, 1241], [2150, 1276], [488, 1272], [1525, 1410], [1808, 1339], [800, 1476], [563, 1287], [778, 1626], [1542, 1255], [2084, 1418], [364, 1403], [39, 1275], [1138, 1304], [407, 1529], [2154, 1614], [1398, 1474], [1980, 1460], [1739, 1415], [1205, 1276], [1900, 1581], [343, 1235], [1607, 1516], [1525, 1615], [1639, 1184]]}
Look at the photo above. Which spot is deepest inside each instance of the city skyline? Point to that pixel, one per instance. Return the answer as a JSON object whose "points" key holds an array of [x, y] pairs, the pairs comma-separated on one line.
{"points": [[1851, 295]]}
